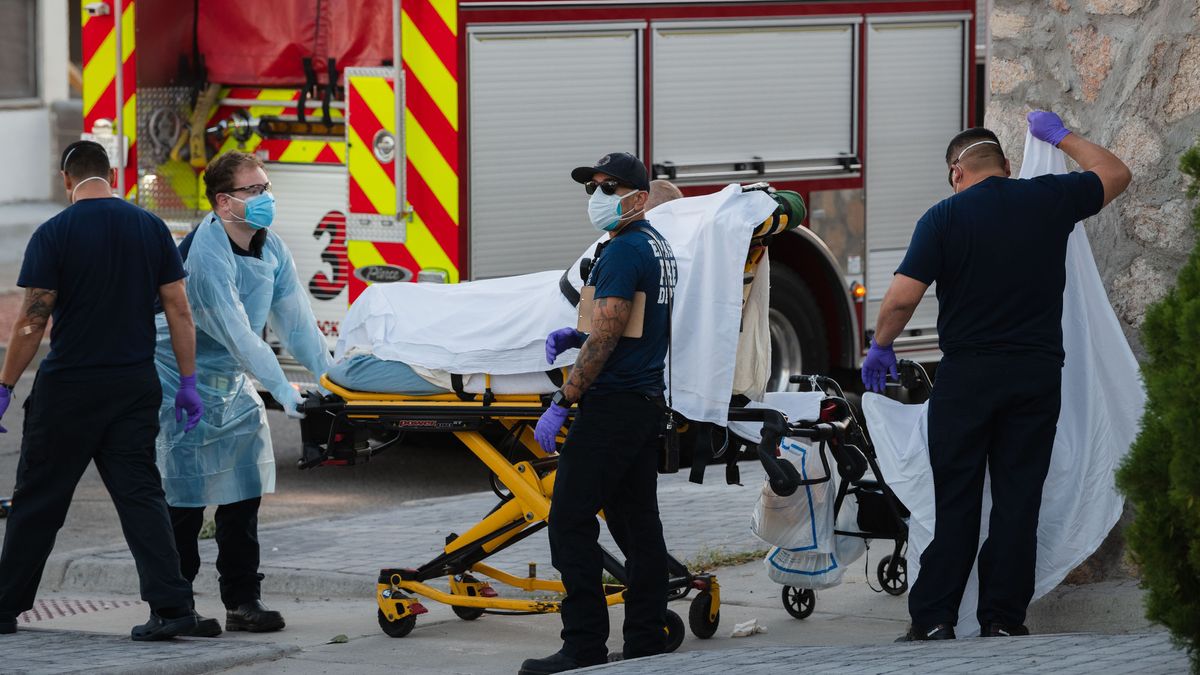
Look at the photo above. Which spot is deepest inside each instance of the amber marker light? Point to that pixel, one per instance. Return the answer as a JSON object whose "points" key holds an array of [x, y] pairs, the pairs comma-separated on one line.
{"points": [[858, 291]]}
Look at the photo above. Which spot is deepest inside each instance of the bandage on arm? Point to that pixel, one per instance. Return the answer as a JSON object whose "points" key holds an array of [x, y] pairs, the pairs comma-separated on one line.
{"points": [[27, 332]]}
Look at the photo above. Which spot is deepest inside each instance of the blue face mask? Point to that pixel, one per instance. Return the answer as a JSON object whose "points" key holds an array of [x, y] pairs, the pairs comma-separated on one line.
{"points": [[260, 210], [605, 210]]}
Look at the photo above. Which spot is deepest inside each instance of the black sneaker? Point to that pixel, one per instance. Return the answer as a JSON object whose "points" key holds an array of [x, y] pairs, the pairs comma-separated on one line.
{"points": [[941, 631], [8, 624], [555, 663], [993, 629], [205, 627], [254, 617], [163, 628]]}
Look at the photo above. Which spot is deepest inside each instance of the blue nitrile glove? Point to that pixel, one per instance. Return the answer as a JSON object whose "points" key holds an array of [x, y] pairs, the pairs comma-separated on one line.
{"points": [[880, 362], [561, 340], [1047, 126], [187, 399], [547, 428], [5, 399]]}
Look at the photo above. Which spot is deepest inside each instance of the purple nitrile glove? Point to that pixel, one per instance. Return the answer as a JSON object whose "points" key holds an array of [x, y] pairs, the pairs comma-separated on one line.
{"points": [[5, 399], [1047, 126], [880, 362], [548, 426], [561, 340], [187, 399]]}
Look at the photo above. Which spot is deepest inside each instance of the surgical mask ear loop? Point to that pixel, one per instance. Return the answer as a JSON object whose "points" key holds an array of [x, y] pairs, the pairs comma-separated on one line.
{"points": [[622, 198], [86, 180]]}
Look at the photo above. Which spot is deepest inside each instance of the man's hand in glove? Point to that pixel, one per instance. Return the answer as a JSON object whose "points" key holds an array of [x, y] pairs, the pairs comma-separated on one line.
{"points": [[561, 340], [1046, 126], [187, 400], [548, 426], [880, 362]]}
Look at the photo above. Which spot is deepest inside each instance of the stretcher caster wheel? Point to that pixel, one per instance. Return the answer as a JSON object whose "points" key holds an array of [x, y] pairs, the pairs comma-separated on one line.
{"points": [[675, 631], [398, 628], [799, 602], [893, 582], [698, 614]]}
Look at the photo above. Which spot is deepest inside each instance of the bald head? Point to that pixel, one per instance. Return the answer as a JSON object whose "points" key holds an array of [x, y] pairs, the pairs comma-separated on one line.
{"points": [[661, 192]]}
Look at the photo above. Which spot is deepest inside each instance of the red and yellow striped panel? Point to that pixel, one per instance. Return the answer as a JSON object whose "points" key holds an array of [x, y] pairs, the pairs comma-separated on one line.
{"points": [[429, 38], [371, 109], [99, 44]]}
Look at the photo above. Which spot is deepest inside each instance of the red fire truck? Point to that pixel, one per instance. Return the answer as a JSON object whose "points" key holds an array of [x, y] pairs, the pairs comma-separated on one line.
{"points": [[430, 140]]}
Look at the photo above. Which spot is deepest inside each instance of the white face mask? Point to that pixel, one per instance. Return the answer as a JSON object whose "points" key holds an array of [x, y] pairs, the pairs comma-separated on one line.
{"points": [[605, 210], [84, 181]]}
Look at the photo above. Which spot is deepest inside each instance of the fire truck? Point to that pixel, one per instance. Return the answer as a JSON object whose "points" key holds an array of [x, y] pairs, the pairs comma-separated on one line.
{"points": [[430, 140]]}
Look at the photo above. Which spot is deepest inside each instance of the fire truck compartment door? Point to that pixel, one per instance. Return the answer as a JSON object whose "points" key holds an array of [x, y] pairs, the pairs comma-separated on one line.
{"points": [[915, 104], [541, 104], [310, 217], [374, 155]]}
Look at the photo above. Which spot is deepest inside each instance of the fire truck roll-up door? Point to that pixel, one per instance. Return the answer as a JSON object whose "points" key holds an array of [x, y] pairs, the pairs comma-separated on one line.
{"points": [[912, 113], [541, 102]]}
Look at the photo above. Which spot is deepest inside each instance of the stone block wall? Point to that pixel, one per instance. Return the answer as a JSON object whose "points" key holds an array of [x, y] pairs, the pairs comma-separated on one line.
{"points": [[1125, 74]]}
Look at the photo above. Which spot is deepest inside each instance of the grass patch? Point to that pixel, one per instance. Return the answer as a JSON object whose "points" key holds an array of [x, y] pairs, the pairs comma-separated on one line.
{"points": [[709, 559]]}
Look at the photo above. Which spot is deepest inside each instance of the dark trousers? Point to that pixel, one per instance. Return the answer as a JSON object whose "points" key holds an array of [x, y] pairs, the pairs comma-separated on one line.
{"points": [[71, 419], [237, 548], [609, 462], [997, 413]]}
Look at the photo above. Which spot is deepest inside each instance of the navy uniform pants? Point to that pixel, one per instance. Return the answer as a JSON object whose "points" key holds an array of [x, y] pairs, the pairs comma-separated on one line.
{"points": [[71, 419], [610, 462], [999, 413]]}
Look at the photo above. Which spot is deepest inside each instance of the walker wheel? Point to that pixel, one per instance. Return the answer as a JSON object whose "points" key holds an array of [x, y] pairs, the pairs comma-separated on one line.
{"points": [[894, 582], [799, 602], [698, 614], [398, 628], [675, 631], [468, 613]]}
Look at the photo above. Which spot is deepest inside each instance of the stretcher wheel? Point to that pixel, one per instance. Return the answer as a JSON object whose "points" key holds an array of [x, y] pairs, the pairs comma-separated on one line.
{"points": [[896, 582], [398, 628], [799, 602], [698, 616], [467, 613], [675, 631]]}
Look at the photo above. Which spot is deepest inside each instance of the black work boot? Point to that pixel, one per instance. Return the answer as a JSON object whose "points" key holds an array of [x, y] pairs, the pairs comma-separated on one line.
{"points": [[254, 617], [555, 663], [8, 624], [164, 624], [941, 631], [993, 629], [205, 627]]}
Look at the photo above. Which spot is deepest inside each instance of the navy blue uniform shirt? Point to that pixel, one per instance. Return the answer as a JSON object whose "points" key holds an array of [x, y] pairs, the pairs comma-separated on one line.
{"points": [[106, 259], [997, 251], [630, 262]]}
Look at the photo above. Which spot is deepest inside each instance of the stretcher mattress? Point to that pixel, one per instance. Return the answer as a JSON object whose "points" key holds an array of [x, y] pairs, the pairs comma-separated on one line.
{"points": [[364, 372]]}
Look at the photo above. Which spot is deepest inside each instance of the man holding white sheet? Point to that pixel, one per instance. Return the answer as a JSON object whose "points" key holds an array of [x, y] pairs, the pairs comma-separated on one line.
{"points": [[997, 249]]}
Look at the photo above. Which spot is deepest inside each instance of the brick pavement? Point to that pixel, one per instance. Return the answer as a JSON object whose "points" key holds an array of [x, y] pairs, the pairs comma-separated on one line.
{"points": [[1071, 654], [46, 652]]}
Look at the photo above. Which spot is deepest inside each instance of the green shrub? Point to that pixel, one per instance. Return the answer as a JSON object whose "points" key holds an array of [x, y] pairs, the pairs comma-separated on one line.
{"points": [[1161, 474]]}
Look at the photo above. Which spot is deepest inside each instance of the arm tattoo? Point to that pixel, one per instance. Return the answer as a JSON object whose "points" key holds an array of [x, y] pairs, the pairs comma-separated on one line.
{"points": [[39, 305], [609, 318]]}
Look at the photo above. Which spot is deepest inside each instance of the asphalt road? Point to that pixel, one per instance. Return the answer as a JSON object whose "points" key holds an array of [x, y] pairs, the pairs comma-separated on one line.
{"points": [[427, 466]]}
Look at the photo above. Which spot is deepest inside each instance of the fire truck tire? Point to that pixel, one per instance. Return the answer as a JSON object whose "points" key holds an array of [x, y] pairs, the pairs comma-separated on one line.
{"points": [[798, 345]]}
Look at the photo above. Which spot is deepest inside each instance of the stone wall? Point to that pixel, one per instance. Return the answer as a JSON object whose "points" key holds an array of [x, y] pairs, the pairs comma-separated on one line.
{"points": [[1124, 74]]}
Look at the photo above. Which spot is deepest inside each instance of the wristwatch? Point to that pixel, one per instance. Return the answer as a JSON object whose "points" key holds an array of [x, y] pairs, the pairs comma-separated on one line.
{"points": [[560, 399]]}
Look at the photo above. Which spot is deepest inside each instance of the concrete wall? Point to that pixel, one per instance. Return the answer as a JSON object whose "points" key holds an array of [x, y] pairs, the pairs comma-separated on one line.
{"points": [[1125, 74]]}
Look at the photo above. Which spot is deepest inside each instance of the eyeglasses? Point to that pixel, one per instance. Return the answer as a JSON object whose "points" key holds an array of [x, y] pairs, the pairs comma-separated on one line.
{"points": [[254, 190], [608, 187]]}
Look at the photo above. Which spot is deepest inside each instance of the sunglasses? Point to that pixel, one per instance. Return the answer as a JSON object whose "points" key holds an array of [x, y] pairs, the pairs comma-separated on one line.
{"points": [[608, 187]]}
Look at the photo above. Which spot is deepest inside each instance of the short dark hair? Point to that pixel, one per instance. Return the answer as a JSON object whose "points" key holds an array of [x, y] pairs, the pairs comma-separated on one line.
{"points": [[982, 153], [218, 177], [84, 159]]}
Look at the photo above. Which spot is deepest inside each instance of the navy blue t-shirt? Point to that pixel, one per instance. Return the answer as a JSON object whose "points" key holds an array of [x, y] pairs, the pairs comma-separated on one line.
{"points": [[997, 251], [635, 261], [106, 259]]}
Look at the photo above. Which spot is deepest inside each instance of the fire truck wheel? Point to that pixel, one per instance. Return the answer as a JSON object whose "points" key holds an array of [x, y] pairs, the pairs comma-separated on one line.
{"points": [[798, 345]]}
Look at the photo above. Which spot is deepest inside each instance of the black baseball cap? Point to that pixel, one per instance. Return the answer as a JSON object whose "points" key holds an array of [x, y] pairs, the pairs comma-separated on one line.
{"points": [[623, 166]]}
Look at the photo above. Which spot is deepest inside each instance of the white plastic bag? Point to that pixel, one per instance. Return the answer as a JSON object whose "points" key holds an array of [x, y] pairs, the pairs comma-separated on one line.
{"points": [[816, 570], [803, 520]]}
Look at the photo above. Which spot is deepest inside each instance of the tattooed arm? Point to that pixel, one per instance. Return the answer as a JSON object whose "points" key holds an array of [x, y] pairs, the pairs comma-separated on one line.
{"points": [[609, 316], [27, 333]]}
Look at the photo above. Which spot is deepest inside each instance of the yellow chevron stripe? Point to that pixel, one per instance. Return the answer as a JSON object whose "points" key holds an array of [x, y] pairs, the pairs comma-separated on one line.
{"points": [[380, 97], [363, 254], [130, 120], [98, 72], [301, 152], [425, 65], [429, 162], [84, 15], [426, 251], [448, 10], [278, 95], [364, 170], [127, 36], [339, 149]]}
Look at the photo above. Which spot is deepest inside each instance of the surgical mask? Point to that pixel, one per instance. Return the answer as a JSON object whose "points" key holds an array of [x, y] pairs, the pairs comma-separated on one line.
{"points": [[260, 210], [84, 181], [605, 210]]}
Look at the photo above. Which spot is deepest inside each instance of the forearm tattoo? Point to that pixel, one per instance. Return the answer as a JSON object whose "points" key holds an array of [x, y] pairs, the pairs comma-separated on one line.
{"points": [[609, 318], [39, 305]]}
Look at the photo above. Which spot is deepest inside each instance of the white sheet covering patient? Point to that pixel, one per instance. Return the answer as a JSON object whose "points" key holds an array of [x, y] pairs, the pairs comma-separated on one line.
{"points": [[499, 326]]}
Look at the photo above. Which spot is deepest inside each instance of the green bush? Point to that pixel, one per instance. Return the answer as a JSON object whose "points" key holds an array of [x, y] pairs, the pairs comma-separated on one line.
{"points": [[1161, 474]]}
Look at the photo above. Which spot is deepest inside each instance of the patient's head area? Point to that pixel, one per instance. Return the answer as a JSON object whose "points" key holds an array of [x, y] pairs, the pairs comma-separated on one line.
{"points": [[973, 155], [661, 192]]}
